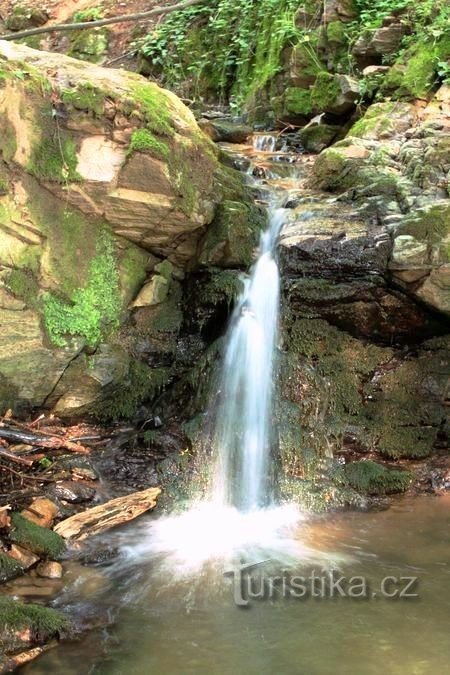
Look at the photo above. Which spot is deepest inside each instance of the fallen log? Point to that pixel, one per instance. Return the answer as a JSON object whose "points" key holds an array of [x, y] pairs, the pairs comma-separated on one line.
{"points": [[11, 663], [41, 441], [104, 517]]}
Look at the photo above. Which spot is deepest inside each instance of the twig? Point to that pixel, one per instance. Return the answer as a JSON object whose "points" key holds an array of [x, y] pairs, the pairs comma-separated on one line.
{"points": [[25, 477], [58, 28]]}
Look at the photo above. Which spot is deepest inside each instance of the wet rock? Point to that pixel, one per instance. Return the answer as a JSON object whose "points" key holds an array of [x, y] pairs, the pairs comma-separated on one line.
{"points": [[42, 511], [50, 570], [225, 130], [72, 492], [317, 135], [80, 466]]}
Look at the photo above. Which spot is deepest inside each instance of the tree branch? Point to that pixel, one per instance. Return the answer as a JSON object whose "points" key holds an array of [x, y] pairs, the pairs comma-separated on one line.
{"points": [[60, 27]]}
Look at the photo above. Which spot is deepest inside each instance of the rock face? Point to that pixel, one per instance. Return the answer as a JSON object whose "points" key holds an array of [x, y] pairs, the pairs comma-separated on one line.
{"points": [[103, 178], [394, 164]]}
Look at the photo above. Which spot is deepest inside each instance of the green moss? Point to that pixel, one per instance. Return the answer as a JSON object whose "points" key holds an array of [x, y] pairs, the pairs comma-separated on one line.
{"points": [[9, 568], [156, 108], [298, 101], [396, 442], [336, 32], [324, 91], [142, 140], [54, 159], [431, 224], [375, 121], [95, 308], [141, 385], [43, 622], [369, 477], [38, 539], [23, 284], [85, 97], [223, 286], [133, 269]]}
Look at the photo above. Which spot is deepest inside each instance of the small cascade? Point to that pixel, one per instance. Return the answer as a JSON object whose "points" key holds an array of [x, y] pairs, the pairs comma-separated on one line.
{"points": [[242, 436], [265, 142]]}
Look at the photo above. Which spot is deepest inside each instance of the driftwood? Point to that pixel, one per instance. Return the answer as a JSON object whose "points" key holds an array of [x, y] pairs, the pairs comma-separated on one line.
{"points": [[102, 22], [103, 517], [41, 440], [11, 663]]}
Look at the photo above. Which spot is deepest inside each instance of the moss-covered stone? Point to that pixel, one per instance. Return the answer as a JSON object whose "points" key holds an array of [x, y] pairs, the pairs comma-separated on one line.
{"points": [[38, 539], [42, 622], [9, 568], [55, 159], [233, 236], [368, 477], [143, 140]]}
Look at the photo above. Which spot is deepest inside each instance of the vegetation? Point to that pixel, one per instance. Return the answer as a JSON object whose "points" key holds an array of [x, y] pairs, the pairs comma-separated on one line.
{"points": [[38, 539], [43, 622], [95, 308], [143, 140]]}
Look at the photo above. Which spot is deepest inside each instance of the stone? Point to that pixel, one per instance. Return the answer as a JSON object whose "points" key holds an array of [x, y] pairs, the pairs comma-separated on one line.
{"points": [[370, 46], [435, 291], [25, 557], [153, 293], [50, 570], [225, 130], [42, 511], [316, 135], [408, 251], [73, 492]]}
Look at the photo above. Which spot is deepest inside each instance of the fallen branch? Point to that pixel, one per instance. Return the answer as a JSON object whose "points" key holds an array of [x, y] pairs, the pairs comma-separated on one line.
{"points": [[103, 517], [16, 458], [51, 442], [60, 27], [11, 663]]}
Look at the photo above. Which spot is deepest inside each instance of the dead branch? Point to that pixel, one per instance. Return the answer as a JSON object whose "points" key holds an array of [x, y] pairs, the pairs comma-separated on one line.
{"points": [[51, 442], [103, 517], [58, 28]]}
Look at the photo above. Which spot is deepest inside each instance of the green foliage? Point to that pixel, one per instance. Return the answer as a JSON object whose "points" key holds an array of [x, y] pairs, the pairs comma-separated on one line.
{"points": [[372, 12], [223, 286], [369, 477], [89, 14], [142, 140], [38, 539], [231, 57], [43, 622], [95, 308], [22, 283]]}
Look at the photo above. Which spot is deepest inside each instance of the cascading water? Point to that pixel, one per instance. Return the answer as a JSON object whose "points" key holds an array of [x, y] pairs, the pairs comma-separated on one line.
{"points": [[242, 436]]}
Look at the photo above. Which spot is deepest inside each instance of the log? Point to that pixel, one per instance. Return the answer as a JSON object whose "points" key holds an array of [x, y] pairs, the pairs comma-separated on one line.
{"points": [[104, 517], [11, 663], [42, 441], [124, 18]]}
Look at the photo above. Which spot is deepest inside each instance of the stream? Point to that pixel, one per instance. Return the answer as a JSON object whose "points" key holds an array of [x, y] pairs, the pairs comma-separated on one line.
{"points": [[238, 584]]}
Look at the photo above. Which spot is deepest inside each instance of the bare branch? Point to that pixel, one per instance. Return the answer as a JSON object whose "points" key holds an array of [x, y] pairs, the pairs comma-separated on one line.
{"points": [[61, 27]]}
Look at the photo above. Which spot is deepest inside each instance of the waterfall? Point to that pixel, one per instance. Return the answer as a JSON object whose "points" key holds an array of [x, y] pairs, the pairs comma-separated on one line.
{"points": [[242, 436], [265, 142]]}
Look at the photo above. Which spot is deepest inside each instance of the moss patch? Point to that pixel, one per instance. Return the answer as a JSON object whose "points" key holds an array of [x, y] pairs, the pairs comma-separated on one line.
{"points": [[9, 568], [38, 539], [86, 97], [54, 159], [95, 308], [142, 140], [43, 622], [369, 477]]}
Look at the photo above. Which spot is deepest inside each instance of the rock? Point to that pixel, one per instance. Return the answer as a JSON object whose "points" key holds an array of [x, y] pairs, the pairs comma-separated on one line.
{"points": [[408, 252], [23, 556], [386, 40], [225, 130], [374, 70], [385, 120], [316, 135], [72, 491], [9, 568], [153, 293], [42, 511], [24, 16], [435, 290], [83, 217], [50, 570], [232, 238]]}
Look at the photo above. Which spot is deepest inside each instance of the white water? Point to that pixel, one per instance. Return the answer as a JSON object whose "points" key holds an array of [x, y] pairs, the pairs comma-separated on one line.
{"points": [[242, 436]]}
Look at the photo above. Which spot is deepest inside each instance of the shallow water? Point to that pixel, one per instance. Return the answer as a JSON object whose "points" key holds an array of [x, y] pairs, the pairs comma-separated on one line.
{"points": [[167, 625]]}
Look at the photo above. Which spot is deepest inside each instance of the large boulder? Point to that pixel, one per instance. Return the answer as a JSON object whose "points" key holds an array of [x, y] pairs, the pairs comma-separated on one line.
{"points": [[103, 177]]}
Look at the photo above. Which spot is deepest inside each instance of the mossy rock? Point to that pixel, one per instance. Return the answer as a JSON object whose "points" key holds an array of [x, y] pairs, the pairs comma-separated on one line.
{"points": [[40, 540], [372, 478], [42, 622], [9, 568], [233, 235], [89, 44]]}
